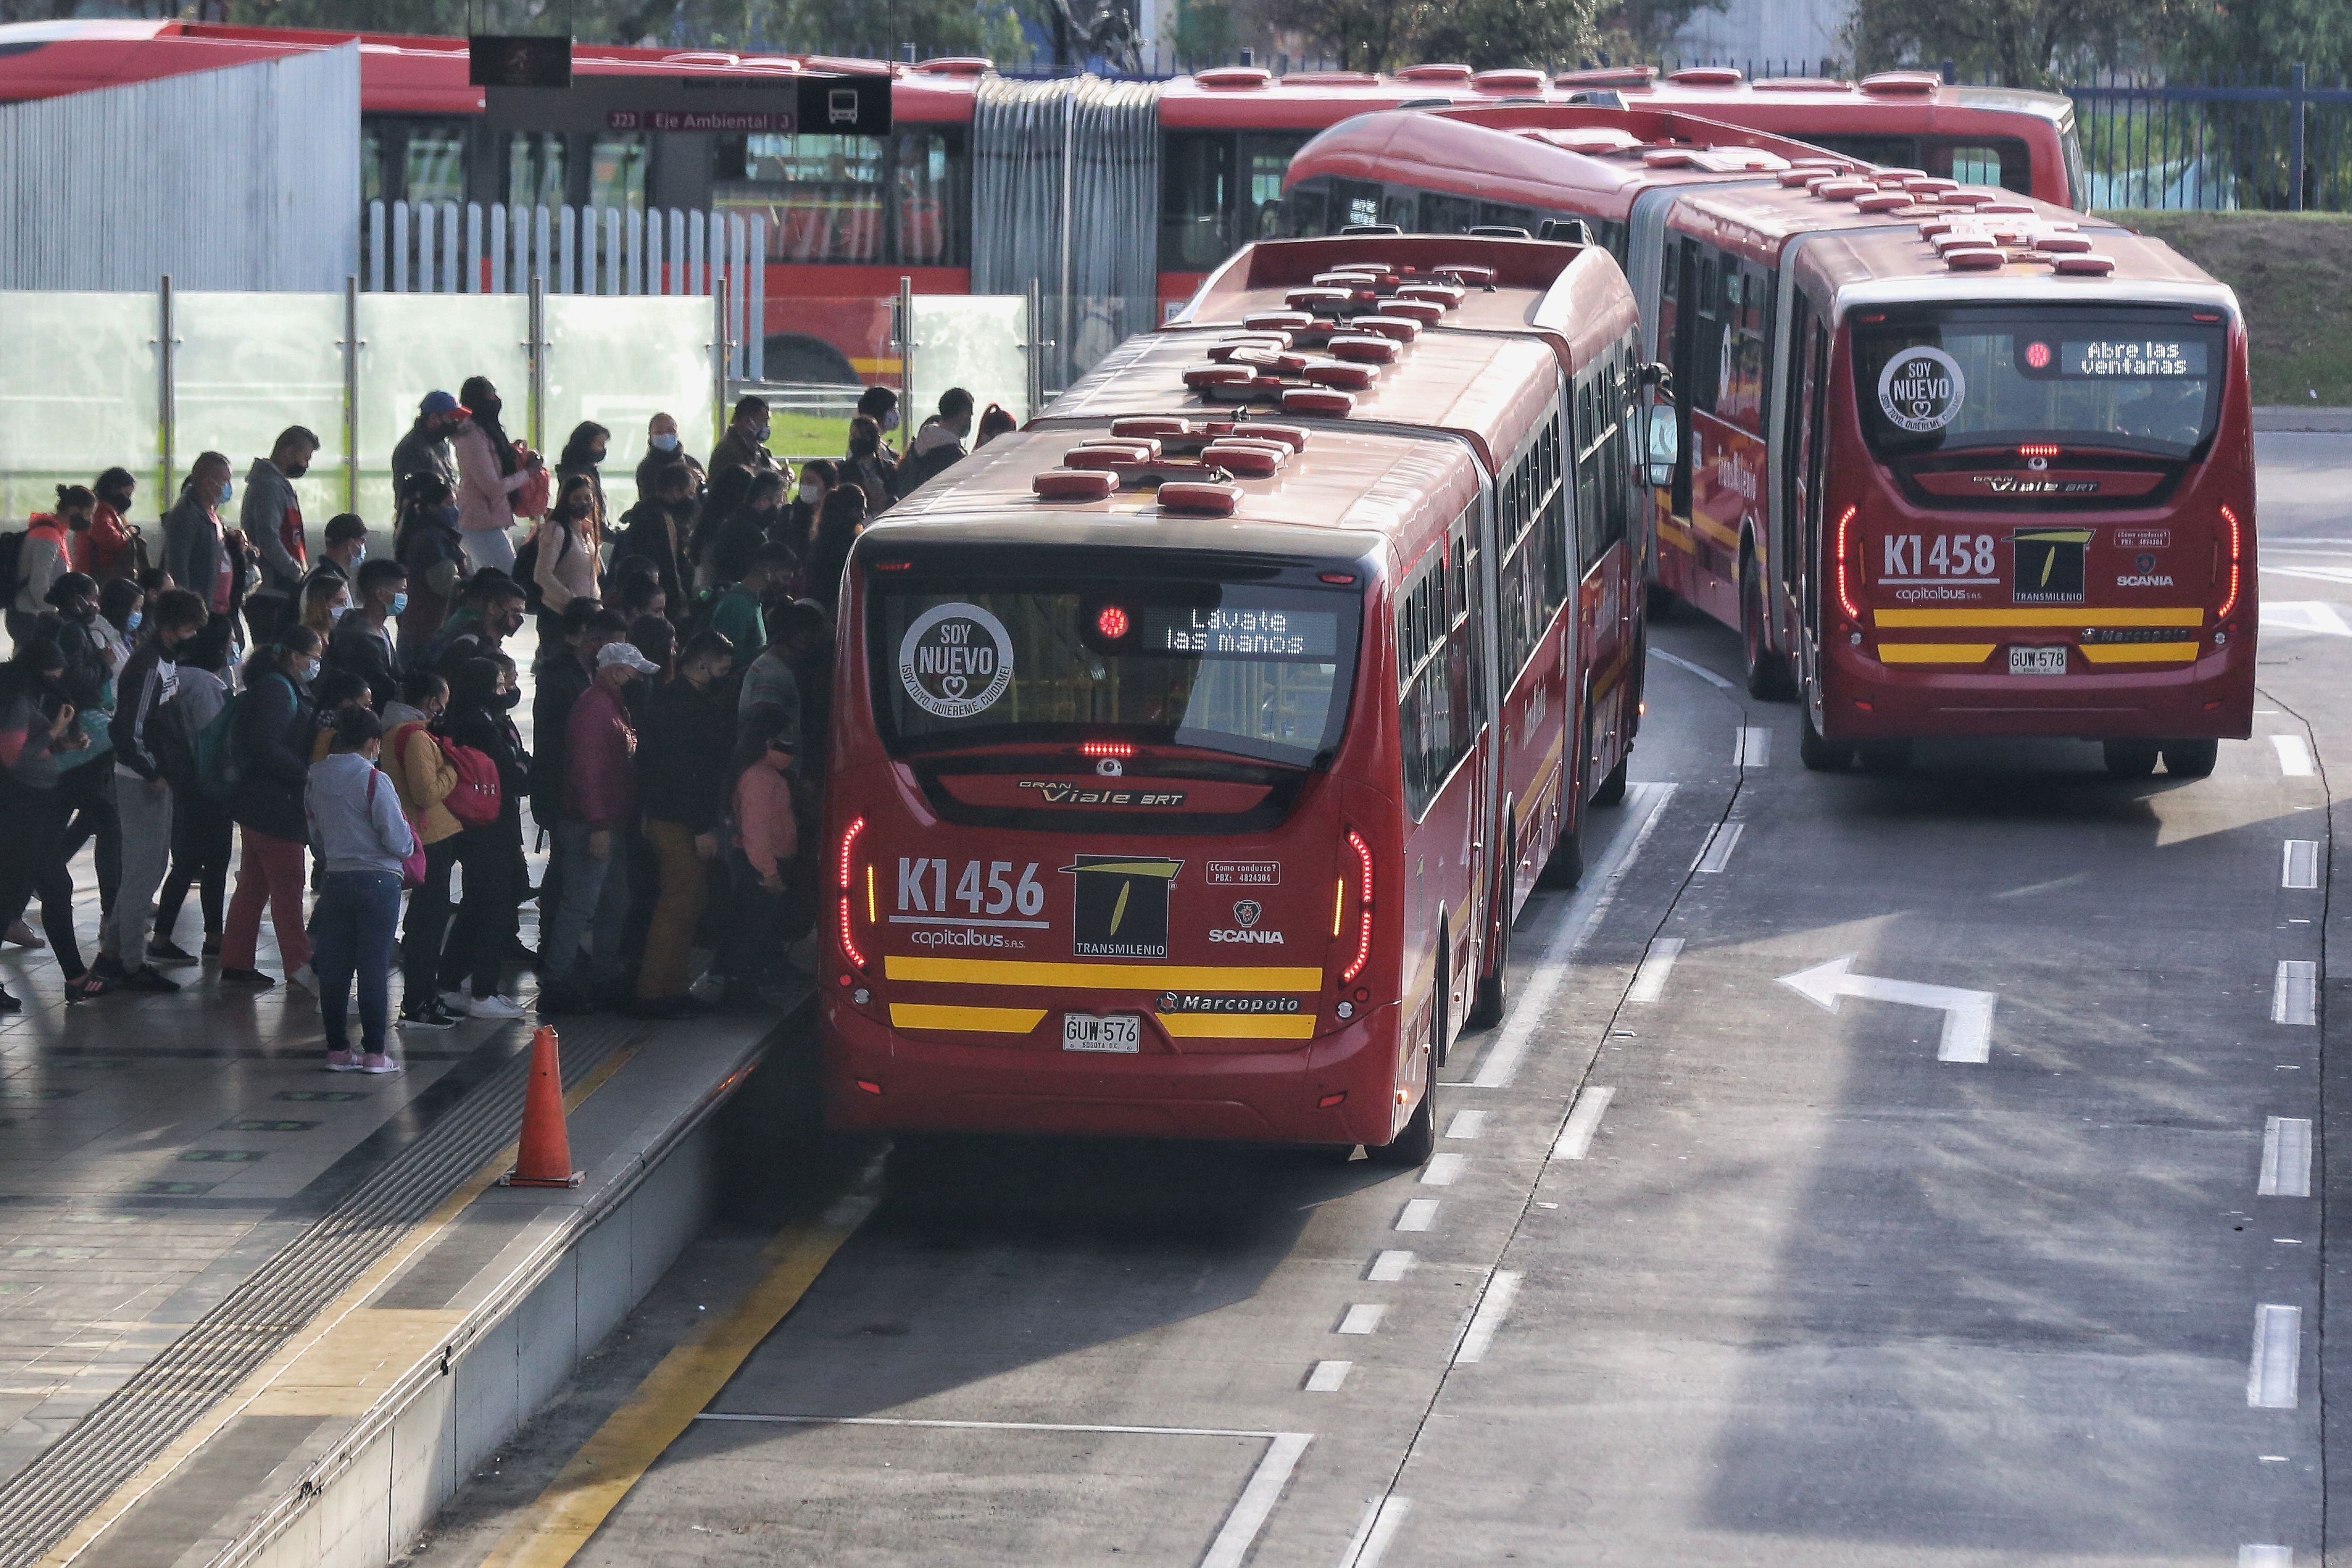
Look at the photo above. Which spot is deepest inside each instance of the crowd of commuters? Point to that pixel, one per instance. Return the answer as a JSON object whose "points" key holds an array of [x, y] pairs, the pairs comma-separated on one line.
{"points": [[340, 727]]}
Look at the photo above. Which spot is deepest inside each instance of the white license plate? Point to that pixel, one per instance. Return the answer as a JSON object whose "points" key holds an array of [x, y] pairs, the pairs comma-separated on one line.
{"points": [[1121, 1033], [2037, 661]]}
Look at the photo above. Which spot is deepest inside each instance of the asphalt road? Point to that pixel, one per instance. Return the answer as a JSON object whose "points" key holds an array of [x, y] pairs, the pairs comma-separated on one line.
{"points": [[1875, 1170]]}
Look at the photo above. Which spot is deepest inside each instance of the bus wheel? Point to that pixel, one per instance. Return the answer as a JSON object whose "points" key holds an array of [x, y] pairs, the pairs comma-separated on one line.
{"points": [[2190, 759], [1767, 672], [1662, 603], [2130, 758], [1411, 1148], [1817, 754], [1493, 993], [1612, 789], [1566, 867]]}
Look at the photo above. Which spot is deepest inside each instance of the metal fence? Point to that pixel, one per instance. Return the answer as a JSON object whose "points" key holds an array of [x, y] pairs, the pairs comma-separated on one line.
{"points": [[2281, 142]]}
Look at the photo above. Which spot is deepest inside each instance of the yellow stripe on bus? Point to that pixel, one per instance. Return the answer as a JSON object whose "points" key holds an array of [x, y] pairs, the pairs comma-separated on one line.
{"points": [[2137, 652], [1934, 652], [1225, 1026], [971, 1021], [1097, 977], [2052, 615]]}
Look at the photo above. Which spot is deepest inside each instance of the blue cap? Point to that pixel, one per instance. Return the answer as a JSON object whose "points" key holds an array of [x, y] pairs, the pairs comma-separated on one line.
{"points": [[441, 403]]}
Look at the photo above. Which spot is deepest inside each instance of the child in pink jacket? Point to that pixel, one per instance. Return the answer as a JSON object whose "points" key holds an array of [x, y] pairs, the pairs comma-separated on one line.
{"points": [[765, 843]]}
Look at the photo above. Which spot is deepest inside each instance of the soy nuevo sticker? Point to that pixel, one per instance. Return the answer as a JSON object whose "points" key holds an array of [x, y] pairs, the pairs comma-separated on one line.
{"points": [[1921, 389], [955, 661]]}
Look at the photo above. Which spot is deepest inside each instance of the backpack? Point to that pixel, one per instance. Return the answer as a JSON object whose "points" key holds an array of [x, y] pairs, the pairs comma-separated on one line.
{"points": [[172, 741], [476, 801], [12, 569], [218, 766], [526, 575]]}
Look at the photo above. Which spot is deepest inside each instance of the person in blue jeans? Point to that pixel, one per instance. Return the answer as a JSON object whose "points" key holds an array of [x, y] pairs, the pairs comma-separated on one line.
{"points": [[362, 841]]}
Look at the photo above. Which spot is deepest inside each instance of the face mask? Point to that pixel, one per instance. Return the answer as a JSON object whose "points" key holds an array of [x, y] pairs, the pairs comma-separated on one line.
{"points": [[131, 622], [294, 470], [400, 602], [761, 435], [597, 456], [890, 421], [309, 669], [665, 442], [812, 494], [508, 699], [336, 612], [359, 554], [226, 490]]}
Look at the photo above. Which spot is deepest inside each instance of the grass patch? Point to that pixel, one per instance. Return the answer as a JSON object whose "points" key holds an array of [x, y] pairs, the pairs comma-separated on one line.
{"points": [[803, 435], [2293, 272]]}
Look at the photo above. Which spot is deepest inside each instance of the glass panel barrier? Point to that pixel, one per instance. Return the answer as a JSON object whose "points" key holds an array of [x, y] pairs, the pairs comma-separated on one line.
{"points": [[978, 343], [621, 361], [245, 367], [822, 351], [80, 388], [411, 344]]}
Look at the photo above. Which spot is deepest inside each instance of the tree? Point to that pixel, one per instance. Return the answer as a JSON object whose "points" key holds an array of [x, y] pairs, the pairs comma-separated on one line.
{"points": [[1378, 34], [2209, 38], [1362, 35], [2020, 42], [1631, 31]]}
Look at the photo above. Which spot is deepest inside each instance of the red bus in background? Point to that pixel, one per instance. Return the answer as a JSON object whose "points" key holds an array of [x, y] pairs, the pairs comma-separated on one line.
{"points": [[1193, 747], [1955, 462], [849, 216]]}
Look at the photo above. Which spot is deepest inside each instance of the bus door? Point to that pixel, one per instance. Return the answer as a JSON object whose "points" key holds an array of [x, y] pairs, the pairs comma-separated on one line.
{"points": [[1808, 365], [1467, 594]]}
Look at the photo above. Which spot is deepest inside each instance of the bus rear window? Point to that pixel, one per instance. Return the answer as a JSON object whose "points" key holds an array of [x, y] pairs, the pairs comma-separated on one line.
{"points": [[1947, 378], [1254, 670]]}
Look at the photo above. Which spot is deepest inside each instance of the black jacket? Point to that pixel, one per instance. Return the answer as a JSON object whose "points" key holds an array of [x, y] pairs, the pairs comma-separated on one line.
{"points": [[356, 647], [652, 531], [562, 683], [148, 684], [275, 733], [684, 745], [493, 733]]}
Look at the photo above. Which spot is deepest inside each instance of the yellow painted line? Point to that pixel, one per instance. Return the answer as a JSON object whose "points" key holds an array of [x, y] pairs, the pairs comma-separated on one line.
{"points": [[2137, 652], [1716, 530], [591, 1486], [1099, 977], [287, 1364], [2049, 615], [1934, 652], [1229, 1026], [971, 1021]]}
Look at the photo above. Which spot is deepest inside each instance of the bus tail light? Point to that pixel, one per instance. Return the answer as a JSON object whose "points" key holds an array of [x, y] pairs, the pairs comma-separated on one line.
{"points": [[1845, 565], [843, 882], [1363, 853], [2230, 582]]}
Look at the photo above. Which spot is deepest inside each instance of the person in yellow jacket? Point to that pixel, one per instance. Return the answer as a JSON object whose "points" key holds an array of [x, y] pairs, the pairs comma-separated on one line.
{"points": [[421, 771]]}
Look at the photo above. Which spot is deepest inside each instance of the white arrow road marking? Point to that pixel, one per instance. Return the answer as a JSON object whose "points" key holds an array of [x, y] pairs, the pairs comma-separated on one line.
{"points": [[1701, 671], [2305, 615], [1967, 1015]]}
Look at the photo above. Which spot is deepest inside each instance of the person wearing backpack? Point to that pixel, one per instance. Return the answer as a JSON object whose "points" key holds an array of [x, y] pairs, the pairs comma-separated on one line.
{"points": [[477, 731], [146, 698], [564, 561], [42, 557], [428, 544], [196, 551], [204, 836], [688, 734], [36, 724], [363, 843], [110, 549], [272, 730], [419, 768]]}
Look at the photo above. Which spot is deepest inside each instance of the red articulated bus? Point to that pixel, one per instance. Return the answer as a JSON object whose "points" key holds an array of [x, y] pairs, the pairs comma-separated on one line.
{"points": [[1954, 460], [1193, 747]]}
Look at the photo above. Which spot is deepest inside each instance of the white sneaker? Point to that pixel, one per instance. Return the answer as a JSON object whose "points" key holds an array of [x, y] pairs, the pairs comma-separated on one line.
{"points": [[494, 1007], [457, 1001], [307, 977], [378, 1064]]}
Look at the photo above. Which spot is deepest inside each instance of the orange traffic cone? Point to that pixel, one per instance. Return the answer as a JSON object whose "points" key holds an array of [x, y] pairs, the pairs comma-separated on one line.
{"points": [[545, 1155]]}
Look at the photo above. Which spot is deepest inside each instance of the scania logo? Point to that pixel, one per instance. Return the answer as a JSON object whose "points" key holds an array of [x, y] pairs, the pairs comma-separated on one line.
{"points": [[1246, 911]]}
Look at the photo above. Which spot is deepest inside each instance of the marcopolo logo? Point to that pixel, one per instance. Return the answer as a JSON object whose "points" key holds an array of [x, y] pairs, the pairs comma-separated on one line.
{"points": [[1921, 389], [1119, 905], [1212, 1002], [955, 661]]}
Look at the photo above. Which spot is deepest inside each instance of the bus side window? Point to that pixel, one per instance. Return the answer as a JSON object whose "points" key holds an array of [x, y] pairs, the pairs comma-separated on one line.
{"points": [[1304, 210], [1444, 215], [1717, 284]]}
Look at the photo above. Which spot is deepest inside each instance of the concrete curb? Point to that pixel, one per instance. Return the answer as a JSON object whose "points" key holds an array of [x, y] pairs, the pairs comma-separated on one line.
{"points": [[2293, 416]]}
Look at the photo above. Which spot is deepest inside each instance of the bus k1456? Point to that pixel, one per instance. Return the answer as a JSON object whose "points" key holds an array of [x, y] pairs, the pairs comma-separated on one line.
{"points": [[1193, 749]]}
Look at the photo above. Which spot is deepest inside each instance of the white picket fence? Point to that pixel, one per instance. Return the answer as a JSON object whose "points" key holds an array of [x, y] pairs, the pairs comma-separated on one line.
{"points": [[442, 247]]}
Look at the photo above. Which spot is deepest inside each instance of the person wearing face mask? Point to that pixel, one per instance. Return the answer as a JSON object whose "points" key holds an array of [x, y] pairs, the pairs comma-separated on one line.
{"points": [[819, 476], [656, 530], [425, 448], [271, 520], [108, 548], [121, 611], [584, 458], [565, 556], [880, 404], [938, 445], [345, 547], [325, 601], [36, 727], [721, 502], [434, 551], [745, 445], [275, 732], [44, 557], [490, 470], [203, 835], [422, 773], [362, 640], [662, 449], [482, 697], [362, 841], [688, 736], [869, 468], [146, 732], [756, 523], [196, 551]]}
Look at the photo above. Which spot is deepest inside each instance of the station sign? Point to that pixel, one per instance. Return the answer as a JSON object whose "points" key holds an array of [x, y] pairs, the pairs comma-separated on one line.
{"points": [[783, 105]]}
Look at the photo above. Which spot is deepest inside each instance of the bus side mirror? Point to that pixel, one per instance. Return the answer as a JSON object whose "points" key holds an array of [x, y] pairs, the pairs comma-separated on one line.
{"points": [[1664, 444]]}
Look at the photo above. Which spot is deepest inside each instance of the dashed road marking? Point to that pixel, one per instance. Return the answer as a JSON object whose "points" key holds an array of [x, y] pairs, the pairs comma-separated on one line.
{"points": [[1390, 1266], [2303, 615], [1328, 1377], [1650, 979], [1583, 1120], [1720, 682], [2299, 863], [1373, 1534], [1717, 854], [1443, 1170], [1420, 1214], [2295, 995], [2277, 1363], [1752, 747], [1467, 1125], [2295, 757], [1361, 1318], [1493, 1305], [2286, 1158], [2265, 1557]]}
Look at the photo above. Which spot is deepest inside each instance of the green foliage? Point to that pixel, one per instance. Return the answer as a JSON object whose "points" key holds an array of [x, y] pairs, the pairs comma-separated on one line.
{"points": [[937, 26], [2213, 38], [2293, 275], [1205, 30], [1638, 30], [2022, 42], [1378, 34]]}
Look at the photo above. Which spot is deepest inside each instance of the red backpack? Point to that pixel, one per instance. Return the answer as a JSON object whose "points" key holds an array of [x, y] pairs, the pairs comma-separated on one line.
{"points": [[475, 801]]}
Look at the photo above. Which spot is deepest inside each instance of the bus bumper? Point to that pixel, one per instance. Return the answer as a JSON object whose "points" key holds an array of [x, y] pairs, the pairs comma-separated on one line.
{"points": [[2211, 698], [877, 1079]]}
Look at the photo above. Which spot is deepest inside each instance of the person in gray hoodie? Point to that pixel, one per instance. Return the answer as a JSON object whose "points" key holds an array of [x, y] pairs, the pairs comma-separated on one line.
{"points": [[271, 519], [361, 839]]}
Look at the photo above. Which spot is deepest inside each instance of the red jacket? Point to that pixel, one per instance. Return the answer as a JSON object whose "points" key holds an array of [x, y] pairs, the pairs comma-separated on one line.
{"points": [[765, 830], [105, 549], [600, 773]]}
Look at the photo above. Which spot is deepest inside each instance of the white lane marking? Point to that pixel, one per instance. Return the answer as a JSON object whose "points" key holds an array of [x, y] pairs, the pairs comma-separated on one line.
{"points": [[1583, 1120], [1650, 979], [2310, 573], [1375, 1531], [2277, 1363], [1443, 1170], [1361, 1318], [1467, 1125], [1715, 853], [1390, 1266], [1644, 804], [1232, 1547], [2299, 863], [1328, 1377], [1751, 747], [2286, 1158], [2295, 995], [2266, 1556], [1967, 1015], [1701, 671], [1419, 1214], [2295, 757], [1502, 1288], [2303, 615]]}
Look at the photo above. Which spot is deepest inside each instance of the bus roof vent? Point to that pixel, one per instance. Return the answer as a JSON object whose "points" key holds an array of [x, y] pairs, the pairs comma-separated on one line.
{"points": [[2062, 243], [1800, 84], [1200, 498], [958, 66], [1328, 78], [1608, 76], [1707, 76], [2082, 266], [1974, 257], [1436, 75], [1510, 79], [1882, 201], [1966, 198], [1840, 189], [1902, 84], [1230, 77], [1324, 400], [1670, 157]]}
